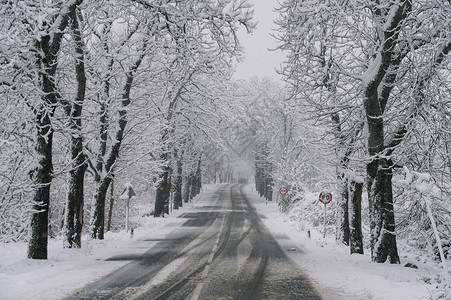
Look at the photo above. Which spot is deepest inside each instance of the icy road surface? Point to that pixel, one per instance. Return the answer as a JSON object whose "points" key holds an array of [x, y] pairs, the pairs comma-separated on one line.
{"points": [[221, 251]]}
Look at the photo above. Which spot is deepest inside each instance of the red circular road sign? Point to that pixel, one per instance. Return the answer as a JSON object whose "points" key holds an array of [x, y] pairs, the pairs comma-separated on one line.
{"points": [[325, 198], [173, 188], [283, 191]]}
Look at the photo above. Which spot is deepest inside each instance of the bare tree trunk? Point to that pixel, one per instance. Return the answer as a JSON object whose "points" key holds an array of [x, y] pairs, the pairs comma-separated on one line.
{"points": [[46, 61], [377, 90], [187, 189], [37, 245], [167, 203], [355, 219], [75, 198], [99, 209], [110, 211], [383, 234], [178, 202], [105, 167], [343, 232], [162, 194]]}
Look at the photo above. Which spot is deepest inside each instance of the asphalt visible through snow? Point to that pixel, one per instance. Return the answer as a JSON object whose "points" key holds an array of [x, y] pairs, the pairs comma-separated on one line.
{"points": [[222, 251]]}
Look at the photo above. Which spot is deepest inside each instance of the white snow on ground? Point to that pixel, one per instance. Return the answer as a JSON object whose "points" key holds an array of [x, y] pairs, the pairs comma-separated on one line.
{"points": [[337, 274]]}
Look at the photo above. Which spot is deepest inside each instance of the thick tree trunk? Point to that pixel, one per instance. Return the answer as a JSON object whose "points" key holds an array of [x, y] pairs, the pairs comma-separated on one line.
{"points": [[46, 61], [378, 83], [383, 235], [187, 189], [75, 201], [75, 197], [178, 202], [167, 203], [110, 211], [162, 194], [343, 232], [105, 167], [37, 245], [99, 209], [197, 180], [379, 182], [268, 188], [355, 217]]}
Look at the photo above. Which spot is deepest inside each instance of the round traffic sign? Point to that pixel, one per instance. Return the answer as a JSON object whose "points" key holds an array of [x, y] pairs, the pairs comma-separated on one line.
{"points": [[173, 188], [283, 191], [325, 198]]}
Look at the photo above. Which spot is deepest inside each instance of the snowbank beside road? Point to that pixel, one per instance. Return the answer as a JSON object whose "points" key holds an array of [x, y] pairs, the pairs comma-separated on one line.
{"points": [[340, 275], [337, 274], [67, 270]]}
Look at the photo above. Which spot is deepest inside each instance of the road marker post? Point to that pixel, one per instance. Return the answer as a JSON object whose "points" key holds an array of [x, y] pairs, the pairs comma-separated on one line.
{"points": [[325, 198], [127, 194]]}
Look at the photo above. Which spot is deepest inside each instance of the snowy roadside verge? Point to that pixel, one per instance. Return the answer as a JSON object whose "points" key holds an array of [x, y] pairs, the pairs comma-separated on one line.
{"points": [[339, 275], [67, 270]]}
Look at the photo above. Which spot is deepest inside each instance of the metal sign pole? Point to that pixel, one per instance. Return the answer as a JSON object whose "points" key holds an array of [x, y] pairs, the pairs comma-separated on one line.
{"points": [[325, 198], [325, 211], [127, 211]]}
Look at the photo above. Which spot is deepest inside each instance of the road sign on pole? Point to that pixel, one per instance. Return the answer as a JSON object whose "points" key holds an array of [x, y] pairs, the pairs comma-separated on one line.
{"points": [[127, 194], [325, 198], [283, 191]]}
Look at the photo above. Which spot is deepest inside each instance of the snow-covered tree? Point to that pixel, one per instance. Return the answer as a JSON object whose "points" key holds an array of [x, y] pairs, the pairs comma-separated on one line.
{"points": [[381, 55], [33, 48]]}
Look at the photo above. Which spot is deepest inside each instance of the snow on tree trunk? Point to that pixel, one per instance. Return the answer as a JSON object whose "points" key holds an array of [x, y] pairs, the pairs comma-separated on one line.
{"points": [[167, 202], [178, 202], [187, 189], [382, 217], [75, 199], [37, 245], [98, 220], [73, 219], [110, 211], [104, 169], [355, 217], [343, 219], [48, 47], [162, 194], [196, 182]]}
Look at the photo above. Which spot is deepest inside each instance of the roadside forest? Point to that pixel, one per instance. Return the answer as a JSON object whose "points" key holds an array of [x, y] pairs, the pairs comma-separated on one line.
{"points": [[98, 95]]}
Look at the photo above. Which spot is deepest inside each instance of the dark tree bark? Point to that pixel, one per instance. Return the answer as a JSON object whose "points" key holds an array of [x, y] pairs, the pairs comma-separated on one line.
{"points": [[178, 202], [37, 246], [46, 61], [187, 189], [377, 89], [355, 219], [98, 223], [103, 181], [110, 211], [162, 194], [75, 198], [167, 202], [344, 231], [197, 180]]}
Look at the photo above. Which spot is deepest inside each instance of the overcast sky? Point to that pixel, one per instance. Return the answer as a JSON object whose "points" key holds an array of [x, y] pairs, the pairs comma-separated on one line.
{"points": [[259, 61]]}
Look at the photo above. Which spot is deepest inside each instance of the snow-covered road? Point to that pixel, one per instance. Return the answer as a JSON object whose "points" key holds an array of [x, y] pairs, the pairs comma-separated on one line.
{"points": [[331, 270], [221, 251]]}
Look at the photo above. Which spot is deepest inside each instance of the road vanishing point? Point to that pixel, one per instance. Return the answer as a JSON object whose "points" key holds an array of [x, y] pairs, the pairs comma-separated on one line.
{"points": [[222, 251]]}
